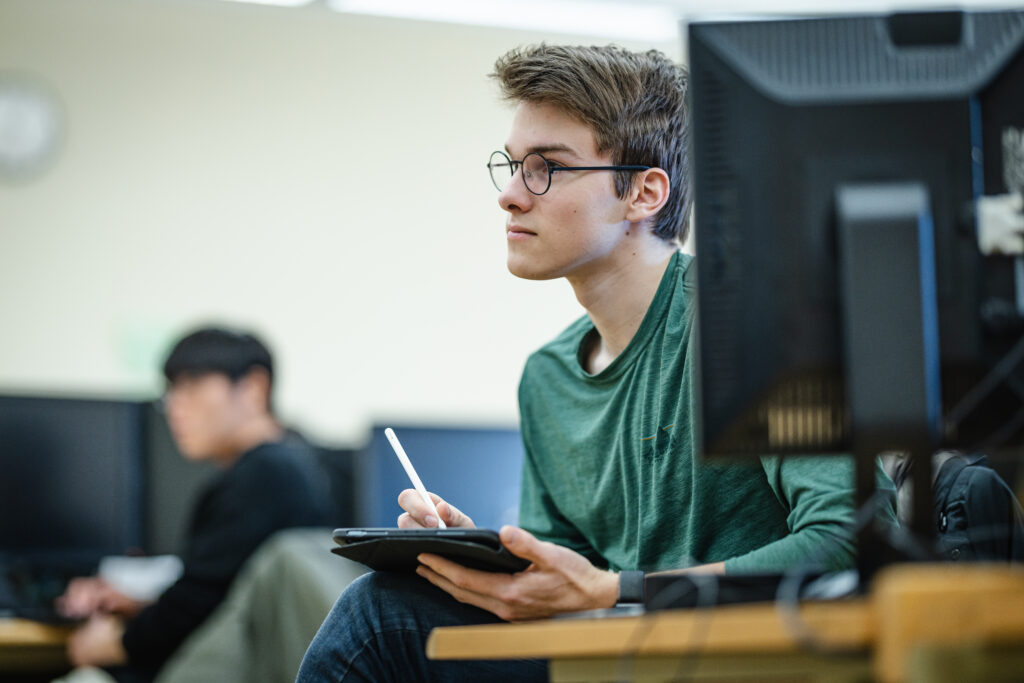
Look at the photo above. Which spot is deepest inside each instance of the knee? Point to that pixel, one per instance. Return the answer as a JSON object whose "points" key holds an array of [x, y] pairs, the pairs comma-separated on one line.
{"points": [[377, 593], [381, 601]]}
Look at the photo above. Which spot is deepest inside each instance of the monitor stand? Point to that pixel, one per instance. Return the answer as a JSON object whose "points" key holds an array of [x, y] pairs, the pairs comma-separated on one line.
{"points": [[891, 348]]}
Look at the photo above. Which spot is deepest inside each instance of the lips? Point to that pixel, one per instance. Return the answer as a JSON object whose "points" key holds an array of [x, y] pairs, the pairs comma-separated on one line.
{"points": [[515, 229]]}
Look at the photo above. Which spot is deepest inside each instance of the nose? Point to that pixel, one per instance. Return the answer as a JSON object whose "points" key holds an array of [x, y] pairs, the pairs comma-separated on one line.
{"points": [[515, 198]]}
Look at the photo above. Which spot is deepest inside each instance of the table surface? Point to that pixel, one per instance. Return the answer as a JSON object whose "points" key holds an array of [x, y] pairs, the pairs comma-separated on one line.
{"points": [[25, 633], [28, 646], [909, 606]]}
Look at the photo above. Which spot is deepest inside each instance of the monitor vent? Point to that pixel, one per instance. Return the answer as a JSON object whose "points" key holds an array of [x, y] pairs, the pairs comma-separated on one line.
{"points": [[804, 415], [799, 415], [718, 233], [808, 60]]}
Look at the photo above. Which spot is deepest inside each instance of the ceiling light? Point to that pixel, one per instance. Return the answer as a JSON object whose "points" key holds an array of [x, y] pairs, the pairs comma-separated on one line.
{"points": [[279, 3], [625, 21]]}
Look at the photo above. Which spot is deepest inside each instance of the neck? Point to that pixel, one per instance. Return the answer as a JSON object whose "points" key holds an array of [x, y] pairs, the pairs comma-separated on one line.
{"points": [[259, 430], [618, 295]]}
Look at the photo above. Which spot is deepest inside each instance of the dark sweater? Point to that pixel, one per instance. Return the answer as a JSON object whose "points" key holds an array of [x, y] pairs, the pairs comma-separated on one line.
{"points": [[274, 486]]}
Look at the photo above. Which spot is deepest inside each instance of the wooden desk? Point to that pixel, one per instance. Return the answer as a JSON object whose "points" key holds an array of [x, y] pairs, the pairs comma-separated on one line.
{"points": [[918, 621], [30, 646]]}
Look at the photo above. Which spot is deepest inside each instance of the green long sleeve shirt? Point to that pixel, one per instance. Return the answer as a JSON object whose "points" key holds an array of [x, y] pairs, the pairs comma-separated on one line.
{"points": [[611, 471]]}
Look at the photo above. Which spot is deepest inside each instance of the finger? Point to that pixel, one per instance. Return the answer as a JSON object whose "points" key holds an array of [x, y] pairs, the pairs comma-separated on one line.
{"points": [[525, 545], [110, 601], [405, 521], [491, 584], [78, 601], [410, 501], [452, 516], [486, 602]]}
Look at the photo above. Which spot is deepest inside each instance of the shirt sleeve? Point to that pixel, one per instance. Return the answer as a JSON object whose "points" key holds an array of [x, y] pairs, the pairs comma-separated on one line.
{"points": [[818, 493]]}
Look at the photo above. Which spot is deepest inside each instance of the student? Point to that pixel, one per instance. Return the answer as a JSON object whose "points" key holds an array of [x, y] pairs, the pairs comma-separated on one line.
{"points": [[594, 182], [219, 410]]}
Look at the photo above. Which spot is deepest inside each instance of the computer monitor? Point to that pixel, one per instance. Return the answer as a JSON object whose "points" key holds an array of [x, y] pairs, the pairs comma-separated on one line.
{"points": [[70, 479], [476, 469], [844, 304]]}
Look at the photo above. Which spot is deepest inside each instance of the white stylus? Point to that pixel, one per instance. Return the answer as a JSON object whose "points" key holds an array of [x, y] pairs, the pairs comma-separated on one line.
{"points": [[404, 459]]}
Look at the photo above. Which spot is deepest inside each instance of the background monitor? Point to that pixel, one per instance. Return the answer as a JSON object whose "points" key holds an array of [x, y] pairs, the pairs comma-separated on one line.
{"points": [[477, 469], [787, 116], [70, 478]]}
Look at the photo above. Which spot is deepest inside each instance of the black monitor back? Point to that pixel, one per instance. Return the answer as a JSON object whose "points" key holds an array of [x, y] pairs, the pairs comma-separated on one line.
{"points": [[70, 479], [785, 112]]}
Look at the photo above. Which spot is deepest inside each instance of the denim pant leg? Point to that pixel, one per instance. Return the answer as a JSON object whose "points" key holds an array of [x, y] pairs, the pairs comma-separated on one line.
{"points": [[377, 632]]}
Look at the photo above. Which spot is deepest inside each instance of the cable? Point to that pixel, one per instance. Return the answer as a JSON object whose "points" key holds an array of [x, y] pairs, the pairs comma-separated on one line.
{"points": [[706, 585], [1003, 434], [983, 388], [902, 539], [787, 598], [788, 594]]}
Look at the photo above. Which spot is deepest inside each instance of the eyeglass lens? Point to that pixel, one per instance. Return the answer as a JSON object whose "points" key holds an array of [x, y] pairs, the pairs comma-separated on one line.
{"points": [[536, 174]]}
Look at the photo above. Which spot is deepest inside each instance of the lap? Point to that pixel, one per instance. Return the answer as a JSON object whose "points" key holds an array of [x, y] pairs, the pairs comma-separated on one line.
{"points": [[378, 629]]}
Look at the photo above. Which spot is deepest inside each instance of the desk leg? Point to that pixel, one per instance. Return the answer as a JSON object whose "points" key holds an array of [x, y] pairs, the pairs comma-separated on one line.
{"points": [[958, 663]]}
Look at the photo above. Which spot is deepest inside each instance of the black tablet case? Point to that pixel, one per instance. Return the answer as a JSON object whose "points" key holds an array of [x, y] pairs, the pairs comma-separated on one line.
{"points": [[398, 553]]}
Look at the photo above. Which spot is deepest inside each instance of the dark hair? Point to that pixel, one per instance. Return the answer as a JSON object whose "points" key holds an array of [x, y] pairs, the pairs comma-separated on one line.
{"points": [[217, 350], [635, 102]]}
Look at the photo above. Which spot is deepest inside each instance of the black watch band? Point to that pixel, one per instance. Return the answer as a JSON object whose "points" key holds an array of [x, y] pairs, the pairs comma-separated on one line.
{"points": [[631, 587]]}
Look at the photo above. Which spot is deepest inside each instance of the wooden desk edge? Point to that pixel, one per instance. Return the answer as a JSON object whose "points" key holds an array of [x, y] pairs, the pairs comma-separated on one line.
{"points": [[25, 633], [845, 625]]}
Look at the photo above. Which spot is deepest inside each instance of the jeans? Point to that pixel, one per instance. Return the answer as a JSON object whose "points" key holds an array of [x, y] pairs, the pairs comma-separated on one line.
{"points": [[378, 628]]}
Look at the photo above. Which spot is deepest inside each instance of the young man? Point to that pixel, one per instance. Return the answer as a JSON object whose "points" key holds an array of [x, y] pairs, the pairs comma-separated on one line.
{"points": [[219, 409], [593, 180]]}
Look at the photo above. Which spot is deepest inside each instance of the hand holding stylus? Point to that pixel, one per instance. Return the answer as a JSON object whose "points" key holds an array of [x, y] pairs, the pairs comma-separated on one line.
{"points": [[415, 478], [419, 516]]}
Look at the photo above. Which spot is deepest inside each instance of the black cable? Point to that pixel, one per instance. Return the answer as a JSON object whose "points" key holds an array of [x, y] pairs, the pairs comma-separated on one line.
{"points": [[787, 600], [787, 597], [986, 386], [1015, 385], [901, 538], [1003, 434]]}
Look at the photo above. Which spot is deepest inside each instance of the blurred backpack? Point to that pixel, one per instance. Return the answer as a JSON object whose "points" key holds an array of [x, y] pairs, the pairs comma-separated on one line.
{"points": [[977, 516]]}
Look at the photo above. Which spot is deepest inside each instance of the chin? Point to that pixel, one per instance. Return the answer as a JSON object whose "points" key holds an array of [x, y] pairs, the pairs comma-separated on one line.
{"points": [[528, 271], [191, 451]]}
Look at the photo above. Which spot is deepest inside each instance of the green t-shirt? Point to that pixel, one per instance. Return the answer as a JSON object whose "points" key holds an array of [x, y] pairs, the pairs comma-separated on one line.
{"points": [[610, 468]]}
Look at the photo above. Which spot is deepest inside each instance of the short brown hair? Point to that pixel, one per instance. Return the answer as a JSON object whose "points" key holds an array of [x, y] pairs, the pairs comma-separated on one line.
{"points": [[635, 102]]}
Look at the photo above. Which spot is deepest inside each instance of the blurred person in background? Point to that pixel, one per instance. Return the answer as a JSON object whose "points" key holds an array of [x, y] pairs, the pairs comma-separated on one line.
{"points": [[218, 403]]}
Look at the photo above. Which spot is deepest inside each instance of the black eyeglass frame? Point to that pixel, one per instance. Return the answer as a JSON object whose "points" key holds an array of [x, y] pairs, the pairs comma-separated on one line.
{"points": [[551, 169]]}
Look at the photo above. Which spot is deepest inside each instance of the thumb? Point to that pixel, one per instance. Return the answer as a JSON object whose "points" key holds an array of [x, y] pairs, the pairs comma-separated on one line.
{"points": [[525, 545]]}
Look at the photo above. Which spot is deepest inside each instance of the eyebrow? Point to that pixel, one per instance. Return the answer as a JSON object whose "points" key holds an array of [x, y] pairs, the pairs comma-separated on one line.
{"points": [[548, 149]]}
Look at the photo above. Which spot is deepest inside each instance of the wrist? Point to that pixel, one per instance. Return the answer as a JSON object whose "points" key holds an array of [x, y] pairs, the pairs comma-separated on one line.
{"points": [[606, 590], [631, 588]]}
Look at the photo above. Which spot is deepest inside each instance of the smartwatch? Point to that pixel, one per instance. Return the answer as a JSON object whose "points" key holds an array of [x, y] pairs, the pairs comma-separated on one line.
{"points": [[631, 588]]}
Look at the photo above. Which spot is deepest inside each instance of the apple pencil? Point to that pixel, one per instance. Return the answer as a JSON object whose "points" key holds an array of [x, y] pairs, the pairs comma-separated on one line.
{"points": [[404, 459]]}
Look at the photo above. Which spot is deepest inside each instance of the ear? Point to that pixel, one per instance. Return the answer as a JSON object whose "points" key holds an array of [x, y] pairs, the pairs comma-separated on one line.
{"points": [[255, 385], [648, 194]]}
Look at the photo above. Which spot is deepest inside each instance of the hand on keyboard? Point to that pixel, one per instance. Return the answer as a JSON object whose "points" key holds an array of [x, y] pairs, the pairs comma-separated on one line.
{"points": [[92, 595]]}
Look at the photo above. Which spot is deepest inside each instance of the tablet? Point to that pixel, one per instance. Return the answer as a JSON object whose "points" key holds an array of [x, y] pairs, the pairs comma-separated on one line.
{"points": [[387, 549]]}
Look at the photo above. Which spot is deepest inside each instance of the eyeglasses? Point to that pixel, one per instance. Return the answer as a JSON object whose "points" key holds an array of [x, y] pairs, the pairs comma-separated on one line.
{"points": [[537, 171]]}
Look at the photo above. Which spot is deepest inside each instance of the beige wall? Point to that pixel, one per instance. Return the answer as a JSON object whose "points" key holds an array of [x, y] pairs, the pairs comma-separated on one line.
{"points": [[318, 177]]}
